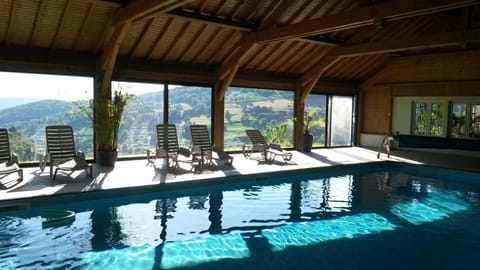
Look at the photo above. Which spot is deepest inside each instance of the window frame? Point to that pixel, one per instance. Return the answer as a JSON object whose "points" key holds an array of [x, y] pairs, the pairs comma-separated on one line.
{"points": [[428, 117], [468, 118]]}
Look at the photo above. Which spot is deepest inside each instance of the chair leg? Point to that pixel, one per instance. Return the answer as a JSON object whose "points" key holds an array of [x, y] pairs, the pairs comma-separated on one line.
{"points": [[55, 174], [43, 162], [229, 161], [51, 171], [20, 175], [89, 171]]}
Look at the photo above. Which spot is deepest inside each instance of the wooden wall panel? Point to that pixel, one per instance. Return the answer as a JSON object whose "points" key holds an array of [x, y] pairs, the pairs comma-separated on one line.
{"points": [[470, 88], [442, 67], [376, 109]]}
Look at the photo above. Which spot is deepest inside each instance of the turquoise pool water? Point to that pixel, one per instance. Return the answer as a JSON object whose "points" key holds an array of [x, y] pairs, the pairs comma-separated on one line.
{"points": [[370, 219]]}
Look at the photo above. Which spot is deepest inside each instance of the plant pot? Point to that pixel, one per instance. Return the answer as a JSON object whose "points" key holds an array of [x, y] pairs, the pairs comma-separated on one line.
{"points": [[307, 142], [106, 158]]}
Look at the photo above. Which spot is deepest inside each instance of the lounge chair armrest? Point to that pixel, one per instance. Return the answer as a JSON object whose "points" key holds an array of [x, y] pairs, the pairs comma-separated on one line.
{"points": [[184, 151], [196, 150], [161, 153], [80, 154], [276, 147], [13, 159], [216, 148]]}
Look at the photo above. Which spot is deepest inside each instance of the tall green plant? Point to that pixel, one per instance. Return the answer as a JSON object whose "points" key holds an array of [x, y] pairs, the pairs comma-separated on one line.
{"points": [[309, 120], [109, 113], [276, 133]]}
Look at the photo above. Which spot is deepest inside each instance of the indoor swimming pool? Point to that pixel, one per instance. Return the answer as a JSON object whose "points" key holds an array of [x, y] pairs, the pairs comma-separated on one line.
{"points": [[384, 217]]}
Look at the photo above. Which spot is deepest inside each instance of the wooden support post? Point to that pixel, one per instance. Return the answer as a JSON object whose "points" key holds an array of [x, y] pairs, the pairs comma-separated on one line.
{"points": [[218, 116], [299, 109], [101, 97]]}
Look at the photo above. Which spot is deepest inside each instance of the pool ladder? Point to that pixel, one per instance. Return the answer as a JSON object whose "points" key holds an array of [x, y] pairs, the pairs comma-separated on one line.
{"points": [[385, 145]]}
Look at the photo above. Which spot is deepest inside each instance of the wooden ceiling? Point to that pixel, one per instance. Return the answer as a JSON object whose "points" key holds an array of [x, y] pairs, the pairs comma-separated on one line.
{"points": [[309, 41]]}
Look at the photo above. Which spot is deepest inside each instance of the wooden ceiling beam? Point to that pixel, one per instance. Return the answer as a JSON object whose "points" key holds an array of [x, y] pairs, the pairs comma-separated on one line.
{"points": [[122, 21], [229, 66], [156, 43], [61, 23], [193, 43], [228, 70], [202, 7], [228, 24], [211, 20], [145, 9], [141, 37], [308, 80], [405, 44], [11, 22], [179, 36], [210, 38], [274, 14], [391, 10], [109, 55], [38, 15], [254, 6], [81, 31]]}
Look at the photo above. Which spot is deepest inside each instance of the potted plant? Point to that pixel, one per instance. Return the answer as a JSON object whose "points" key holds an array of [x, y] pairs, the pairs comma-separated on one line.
{"points": [[308, 122], [108, 118], [307, 137]]}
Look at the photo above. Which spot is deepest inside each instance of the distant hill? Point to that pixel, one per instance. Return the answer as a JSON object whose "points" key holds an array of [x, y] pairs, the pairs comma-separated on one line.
{"points": [[12, 102]]}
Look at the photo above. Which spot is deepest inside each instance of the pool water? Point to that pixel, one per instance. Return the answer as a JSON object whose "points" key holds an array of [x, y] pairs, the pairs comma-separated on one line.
{"points": [[371, 220]]}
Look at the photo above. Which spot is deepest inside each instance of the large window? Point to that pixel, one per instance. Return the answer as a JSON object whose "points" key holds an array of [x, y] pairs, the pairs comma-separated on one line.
{"points": [[137, 132], [189, 105], [186, 105], [270, 111], [29, 102], [316, 107], [428, 119], [464, 120]]}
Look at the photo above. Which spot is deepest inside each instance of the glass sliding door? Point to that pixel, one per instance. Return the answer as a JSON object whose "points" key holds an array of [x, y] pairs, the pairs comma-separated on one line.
{"points": [[341, 121], [189, 105]]}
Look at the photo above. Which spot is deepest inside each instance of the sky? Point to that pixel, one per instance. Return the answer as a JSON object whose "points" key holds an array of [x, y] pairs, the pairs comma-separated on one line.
{"points": [[71, 88]]}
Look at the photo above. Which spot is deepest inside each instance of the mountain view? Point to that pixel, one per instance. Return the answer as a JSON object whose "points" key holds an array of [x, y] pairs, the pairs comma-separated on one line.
{"points": [[244, 108]]}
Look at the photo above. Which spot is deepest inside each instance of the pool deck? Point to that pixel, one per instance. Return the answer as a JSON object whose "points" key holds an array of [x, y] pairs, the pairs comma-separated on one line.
{"points": [[138, 173]]}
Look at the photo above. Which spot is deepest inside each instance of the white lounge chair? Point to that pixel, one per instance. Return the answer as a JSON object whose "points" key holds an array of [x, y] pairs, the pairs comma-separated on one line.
{"points": [[259, 144], [61, 152], [8, 160], [202, 148], [167, 147]]}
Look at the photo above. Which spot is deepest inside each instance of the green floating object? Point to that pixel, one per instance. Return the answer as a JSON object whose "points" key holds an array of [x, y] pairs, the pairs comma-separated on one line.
{"points": [[57, 218]]}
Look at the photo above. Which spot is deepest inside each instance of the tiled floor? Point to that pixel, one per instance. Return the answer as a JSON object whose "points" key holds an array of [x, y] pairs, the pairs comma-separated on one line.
{"points": [[139, 173]]}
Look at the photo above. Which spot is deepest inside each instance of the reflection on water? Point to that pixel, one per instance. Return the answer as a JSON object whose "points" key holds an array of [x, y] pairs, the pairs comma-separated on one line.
{"points": [[238, 225]]}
